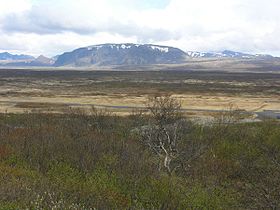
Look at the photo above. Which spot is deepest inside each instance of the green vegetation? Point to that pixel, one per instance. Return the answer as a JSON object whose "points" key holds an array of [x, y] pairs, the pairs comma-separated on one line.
{"points": [[97, 160]]}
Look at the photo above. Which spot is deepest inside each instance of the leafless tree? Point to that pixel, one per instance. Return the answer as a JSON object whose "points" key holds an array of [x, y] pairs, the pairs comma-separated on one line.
{"points": [[164, 109], [163, 132]]}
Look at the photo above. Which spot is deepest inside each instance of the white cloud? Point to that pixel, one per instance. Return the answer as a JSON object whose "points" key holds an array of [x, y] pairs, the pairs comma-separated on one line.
{"points": [[53, 44], [14, 6], [52, 26]]}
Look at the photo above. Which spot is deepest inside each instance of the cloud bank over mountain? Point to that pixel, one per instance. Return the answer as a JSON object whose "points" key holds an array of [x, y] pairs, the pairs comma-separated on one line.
{"points": [[53, 26]]}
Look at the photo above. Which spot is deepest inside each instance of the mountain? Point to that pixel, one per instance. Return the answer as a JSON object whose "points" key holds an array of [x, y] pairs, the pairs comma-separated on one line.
{"points": [[233, 54], [39, 61], [55, 57], [10, 57], [42, 60], [227, 54], [121, 54], [137, 54]]}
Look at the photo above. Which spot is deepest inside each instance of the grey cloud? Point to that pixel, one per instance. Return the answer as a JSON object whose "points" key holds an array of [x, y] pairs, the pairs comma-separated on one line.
{"points": [[41, 23], [241, 25]]}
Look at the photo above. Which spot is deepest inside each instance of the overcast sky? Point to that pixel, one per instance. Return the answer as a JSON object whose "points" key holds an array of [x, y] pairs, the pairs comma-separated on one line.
{"points": [[51, 27]]}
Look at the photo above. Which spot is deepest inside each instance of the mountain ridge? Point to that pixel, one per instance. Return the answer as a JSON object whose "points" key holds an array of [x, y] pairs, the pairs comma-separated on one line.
{"points": [[39, 61], [226, 54], [124, 54], [8, 56], [121, 54], [84, 57]]}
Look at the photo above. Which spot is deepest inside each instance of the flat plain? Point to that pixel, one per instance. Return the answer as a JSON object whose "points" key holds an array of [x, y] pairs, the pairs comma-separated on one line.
{"points": [[55, 90]]}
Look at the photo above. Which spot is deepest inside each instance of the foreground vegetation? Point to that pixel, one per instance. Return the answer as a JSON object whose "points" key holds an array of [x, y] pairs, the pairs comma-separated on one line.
{"points": [[158, 161]]}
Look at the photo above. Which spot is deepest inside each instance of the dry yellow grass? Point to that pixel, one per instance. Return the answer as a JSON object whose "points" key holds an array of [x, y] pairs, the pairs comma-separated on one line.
{"points": [[189, 101], [55, 90]]}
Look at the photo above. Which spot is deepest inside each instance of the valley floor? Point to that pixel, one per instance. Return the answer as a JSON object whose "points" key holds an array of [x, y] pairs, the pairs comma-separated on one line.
{"points": [[201, 93]]}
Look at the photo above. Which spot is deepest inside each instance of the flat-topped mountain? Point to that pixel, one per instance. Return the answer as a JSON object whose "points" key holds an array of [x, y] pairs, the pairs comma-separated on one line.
{"points": [[121, 54]]}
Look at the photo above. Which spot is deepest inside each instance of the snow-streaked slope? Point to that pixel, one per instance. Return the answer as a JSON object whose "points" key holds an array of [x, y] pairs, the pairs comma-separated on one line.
{"points": [[225, 54], [122, 54]]}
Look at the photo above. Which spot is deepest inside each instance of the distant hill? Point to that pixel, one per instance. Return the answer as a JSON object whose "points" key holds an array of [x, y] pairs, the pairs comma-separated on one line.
{"points": [[39, 61], [5, 56], [226, 54], [121, 54], [42, 60]]}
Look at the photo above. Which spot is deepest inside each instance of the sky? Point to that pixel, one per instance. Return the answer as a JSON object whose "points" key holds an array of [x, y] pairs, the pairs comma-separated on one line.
{"points": [[51, 27]]}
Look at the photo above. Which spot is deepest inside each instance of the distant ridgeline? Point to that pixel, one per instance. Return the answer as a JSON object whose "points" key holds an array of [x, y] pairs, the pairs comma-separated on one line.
{"points": [[122, 54], [8, 57]]}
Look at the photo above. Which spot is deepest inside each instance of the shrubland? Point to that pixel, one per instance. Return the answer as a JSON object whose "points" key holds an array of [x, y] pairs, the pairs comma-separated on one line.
{"points": [[155, 159]]}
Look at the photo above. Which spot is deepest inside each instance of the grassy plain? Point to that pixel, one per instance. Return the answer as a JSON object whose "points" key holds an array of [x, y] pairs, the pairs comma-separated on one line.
{"points": [[53, 90]]}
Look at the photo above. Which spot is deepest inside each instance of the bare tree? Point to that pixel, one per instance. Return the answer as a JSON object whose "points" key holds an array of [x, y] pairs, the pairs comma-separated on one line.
{"points": [[164, 109], [163, 132]]}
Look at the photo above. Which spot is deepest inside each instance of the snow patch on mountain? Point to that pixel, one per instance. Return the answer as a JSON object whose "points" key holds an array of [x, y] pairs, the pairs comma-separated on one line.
{"points": [[223, 54], [123, 46], [162, 49], [195, 54], [129, 46]]}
